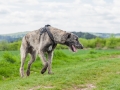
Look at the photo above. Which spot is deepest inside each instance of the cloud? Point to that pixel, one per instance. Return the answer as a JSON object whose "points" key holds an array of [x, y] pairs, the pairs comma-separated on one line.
{"points": [[27, 2], [74, 15], [116, 2], [4, 10], [99, 2]]}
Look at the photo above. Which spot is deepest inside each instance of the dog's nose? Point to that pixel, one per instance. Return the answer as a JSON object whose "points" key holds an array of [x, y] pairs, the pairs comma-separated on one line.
{"points": [[81, 46]]}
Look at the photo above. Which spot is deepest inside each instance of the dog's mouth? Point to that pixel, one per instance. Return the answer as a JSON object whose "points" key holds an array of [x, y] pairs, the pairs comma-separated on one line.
{"points": [[73, 48]]}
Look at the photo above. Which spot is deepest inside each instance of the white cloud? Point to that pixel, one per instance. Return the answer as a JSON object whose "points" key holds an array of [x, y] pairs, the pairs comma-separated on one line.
{"points": [[99, 2], [77, 2], [25, 15], [29, 2], [116, 2]]}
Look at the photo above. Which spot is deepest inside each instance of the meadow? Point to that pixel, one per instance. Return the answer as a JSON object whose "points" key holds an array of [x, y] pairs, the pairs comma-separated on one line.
{"points": [[89, 69]]}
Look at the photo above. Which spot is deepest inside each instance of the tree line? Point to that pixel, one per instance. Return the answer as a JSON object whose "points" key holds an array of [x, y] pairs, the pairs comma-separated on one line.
{"points": [[16, 36], [98, 43]]}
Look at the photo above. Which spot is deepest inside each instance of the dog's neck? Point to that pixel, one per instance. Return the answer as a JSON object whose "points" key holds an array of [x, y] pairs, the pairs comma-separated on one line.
{"points": [[57, 34]]}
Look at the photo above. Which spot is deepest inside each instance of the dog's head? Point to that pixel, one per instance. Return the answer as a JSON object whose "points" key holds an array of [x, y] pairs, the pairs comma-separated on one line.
{"points": [[72, 42]]}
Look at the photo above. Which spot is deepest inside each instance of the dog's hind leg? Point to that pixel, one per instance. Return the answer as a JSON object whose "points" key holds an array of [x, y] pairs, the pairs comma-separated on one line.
{"points": [[45, 63], [33, 57], [50, 56], [23, 57], [23, 52]]}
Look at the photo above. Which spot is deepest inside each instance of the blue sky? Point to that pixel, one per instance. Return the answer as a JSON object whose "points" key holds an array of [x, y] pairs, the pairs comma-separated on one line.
{"points": [[69, 15]]}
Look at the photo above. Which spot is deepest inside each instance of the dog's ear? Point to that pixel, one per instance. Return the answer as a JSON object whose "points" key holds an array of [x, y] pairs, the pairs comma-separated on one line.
{"points": [[65, 37], [68, 35]]}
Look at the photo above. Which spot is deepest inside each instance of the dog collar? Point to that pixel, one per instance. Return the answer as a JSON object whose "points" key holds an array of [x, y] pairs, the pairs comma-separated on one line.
{"points": [[46, 29]]}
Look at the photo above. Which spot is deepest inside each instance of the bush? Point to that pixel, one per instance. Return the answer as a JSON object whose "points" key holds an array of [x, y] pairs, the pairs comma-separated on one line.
{"points": [[3, 45], [84, 42], [111, 42], [91, 43], [15, 45], [59, 54], [9, 58], [100, 43], [61, 47]]}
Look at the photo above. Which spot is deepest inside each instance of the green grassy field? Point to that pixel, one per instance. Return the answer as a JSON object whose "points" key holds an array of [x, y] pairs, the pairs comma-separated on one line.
{"points": [[84, 70]]}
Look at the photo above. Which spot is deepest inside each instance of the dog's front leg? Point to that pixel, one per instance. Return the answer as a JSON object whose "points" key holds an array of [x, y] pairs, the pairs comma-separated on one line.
{"points": [[50, 56], [45, 63]]}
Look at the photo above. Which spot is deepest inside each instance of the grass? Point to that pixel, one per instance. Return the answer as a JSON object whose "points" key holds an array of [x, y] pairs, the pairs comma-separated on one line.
{"points": [[86, 69]]}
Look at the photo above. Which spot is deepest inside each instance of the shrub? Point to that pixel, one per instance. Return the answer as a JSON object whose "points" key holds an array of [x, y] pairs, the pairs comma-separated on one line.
{"points": [[59, 54], [61, 47], [9, 58], [3, 45], [84, 42], [100, 42], [15, 45], [111, 42], [91, 43]]}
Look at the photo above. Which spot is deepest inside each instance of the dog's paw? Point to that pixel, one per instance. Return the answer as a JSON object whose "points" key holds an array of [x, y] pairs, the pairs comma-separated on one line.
{"points": [[43, 70], [28, 72], [50, 73]]}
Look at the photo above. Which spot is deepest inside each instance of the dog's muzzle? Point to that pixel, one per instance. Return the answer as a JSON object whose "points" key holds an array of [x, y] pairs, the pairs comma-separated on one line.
{"points": [[79, 46], [74, 47]]}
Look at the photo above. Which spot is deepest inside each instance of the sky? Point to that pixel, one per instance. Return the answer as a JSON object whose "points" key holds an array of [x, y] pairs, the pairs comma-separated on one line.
{"points": [[101, 16]]}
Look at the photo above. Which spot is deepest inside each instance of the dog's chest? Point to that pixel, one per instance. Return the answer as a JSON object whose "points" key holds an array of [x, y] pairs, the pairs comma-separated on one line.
{"points": [[50, 48]]}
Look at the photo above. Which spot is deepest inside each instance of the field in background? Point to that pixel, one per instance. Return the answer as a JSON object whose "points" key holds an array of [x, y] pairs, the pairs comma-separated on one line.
{"points": [[84, 70], [96, 43]]}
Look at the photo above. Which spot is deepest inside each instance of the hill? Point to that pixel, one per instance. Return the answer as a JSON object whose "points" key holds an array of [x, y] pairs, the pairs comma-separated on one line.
{"points": [[106, 35], [84, 35], [15, 36], [12, 37]]}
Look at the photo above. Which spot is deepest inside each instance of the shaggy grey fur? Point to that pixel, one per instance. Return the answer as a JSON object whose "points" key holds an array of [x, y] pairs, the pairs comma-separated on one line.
{"points": [[36, 44]]}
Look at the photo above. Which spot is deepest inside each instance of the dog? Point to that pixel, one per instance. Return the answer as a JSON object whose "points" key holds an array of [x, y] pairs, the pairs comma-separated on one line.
{"points": [[44, 40]]}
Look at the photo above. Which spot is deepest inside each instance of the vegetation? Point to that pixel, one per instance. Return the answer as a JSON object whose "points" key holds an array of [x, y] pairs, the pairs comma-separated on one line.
{"points": [[86, 69], [96, 67], [84, 35], [16, 36], [12, 37], [106, 35], [100, 43], [96, 43], [5, 46]]}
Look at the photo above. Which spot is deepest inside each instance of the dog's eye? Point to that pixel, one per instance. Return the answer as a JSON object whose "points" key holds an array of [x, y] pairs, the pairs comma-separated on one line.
{"points": [[76, 39], [69, 35]]}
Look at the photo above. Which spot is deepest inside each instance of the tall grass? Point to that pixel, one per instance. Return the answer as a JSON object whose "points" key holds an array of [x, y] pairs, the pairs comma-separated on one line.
{"points": [[9, 65], [9, 57], [99, 68], [10, 61]]}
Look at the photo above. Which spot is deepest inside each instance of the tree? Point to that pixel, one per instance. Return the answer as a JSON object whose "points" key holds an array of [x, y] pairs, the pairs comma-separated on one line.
{"points": [[3, 45]]}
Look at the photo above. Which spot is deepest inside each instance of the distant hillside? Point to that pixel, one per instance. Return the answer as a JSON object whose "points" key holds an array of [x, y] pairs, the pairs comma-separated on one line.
{"points": [[106, 35], [12, 37], [84, 35], [16, 36], [19, 35]]}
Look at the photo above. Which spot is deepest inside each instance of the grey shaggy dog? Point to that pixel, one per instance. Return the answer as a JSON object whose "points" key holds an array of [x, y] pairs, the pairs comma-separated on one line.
{"points": [[44, 40]]}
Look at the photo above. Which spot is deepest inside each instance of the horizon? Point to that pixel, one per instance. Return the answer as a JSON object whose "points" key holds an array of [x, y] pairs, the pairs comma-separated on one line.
{"points": [[71, 31], [101, 16]]}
